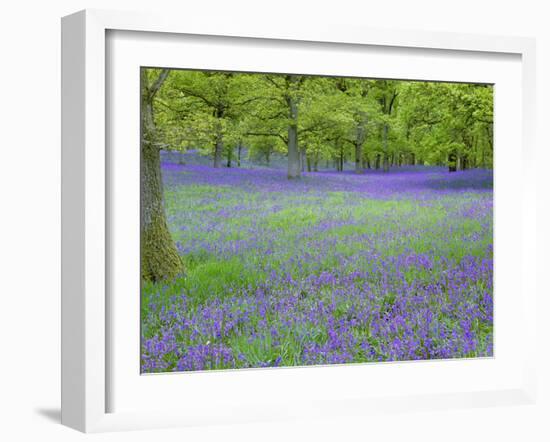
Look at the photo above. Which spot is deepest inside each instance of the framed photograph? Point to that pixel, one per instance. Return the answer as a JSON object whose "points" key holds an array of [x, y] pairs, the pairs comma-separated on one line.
{"points": [[292, 223]]}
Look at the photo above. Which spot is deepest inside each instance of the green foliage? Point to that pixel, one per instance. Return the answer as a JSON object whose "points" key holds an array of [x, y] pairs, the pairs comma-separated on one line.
{"points": [[400, 122]]}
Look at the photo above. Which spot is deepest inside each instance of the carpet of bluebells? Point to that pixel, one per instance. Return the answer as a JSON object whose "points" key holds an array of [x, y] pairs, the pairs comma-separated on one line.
{"points": [[332, 268]]}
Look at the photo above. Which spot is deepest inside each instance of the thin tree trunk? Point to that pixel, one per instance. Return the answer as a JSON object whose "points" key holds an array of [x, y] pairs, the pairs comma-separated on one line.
{"points": [[489, 130], [239, 148], [386, 163], [229, 156], [293, 151], [159, 257], [359, 158], [452, 162], [385, 139], [360, 136], [218, 147]]}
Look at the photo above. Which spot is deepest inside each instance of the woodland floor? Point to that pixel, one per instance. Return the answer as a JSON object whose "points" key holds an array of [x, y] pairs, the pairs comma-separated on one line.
{"points": [[331, 268]]}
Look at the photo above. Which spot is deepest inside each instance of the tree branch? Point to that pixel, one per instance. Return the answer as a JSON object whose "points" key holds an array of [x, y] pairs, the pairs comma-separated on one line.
{"points": [[273, 82], [180, 112], [194, 94], [267, 134], [395, 94], [158, 83]]}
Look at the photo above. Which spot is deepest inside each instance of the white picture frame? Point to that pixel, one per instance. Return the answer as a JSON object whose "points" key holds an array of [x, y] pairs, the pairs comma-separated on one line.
{"points": [[87, 210]]}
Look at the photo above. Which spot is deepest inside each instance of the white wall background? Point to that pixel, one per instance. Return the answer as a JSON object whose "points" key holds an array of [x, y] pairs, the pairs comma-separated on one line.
{"points": [[30, 214]]}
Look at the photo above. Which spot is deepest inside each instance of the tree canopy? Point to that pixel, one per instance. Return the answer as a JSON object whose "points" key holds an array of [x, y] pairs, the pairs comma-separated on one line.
{"points": [[326, 120]]}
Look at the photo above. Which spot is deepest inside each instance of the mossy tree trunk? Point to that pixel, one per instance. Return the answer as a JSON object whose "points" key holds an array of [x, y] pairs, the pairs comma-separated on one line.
{"points": [[159, 257]]}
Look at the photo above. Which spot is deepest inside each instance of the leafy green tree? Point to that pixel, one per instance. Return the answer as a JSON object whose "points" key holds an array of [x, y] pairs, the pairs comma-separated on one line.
{"points": [[448, 123], [386, 93], [377, 123], [215, 99], [362, 112], [277, 114]]}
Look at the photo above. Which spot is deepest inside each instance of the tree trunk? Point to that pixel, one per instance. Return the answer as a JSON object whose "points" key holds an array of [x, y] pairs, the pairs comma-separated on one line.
{"points": [[386, 163], [218, 148], [489, 130], [308, 161], [229, 156], [293, 151], [452, 162], [377, 162], [239, 148], [359, 158], [159, 257], [303, 159], [385, 139], [360, 136], [340, 159]]}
